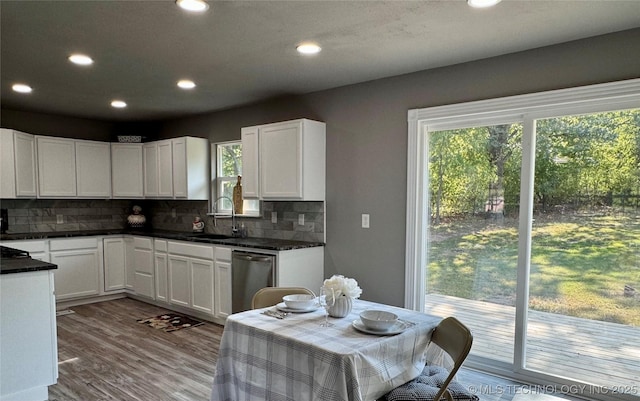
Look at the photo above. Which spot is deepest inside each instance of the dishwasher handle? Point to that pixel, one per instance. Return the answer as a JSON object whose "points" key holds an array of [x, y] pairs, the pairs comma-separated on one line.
{"points": [[251, 258]]}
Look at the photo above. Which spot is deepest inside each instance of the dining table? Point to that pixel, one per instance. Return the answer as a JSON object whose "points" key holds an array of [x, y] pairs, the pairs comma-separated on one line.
{"points": [[294, 358]]}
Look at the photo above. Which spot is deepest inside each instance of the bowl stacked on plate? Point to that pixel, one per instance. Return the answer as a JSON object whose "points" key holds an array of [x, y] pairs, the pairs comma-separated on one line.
{"points": [[378, 320], [299, 301]]}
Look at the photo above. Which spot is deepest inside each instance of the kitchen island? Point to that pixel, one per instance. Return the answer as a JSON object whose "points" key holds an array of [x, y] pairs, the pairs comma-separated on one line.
{"points": [[28, 344]]}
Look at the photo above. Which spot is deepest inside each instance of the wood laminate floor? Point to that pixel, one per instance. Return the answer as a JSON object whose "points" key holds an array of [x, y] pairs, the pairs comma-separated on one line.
{"points": [[106, 355]]}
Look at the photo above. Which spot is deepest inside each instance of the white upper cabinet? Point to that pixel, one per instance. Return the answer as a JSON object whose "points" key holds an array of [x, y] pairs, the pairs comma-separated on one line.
{"points": [[93, 169], [250, 163], [17, 165], [56, 167], [177, 168], [165, 169], [126, 170], [191, 168], [150, 163], [291, 161]]}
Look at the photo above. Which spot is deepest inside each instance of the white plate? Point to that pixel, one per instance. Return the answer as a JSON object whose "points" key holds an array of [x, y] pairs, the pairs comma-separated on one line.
{"points": [[397, 328], [283, 307]]}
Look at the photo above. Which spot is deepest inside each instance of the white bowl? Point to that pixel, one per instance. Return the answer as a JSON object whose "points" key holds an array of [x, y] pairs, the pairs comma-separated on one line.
{"points": [[378, 319], [299, 301]]}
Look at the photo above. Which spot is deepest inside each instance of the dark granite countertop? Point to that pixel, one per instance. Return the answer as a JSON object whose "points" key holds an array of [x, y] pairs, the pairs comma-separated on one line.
{"points": [[22, 265], [258, 243]]}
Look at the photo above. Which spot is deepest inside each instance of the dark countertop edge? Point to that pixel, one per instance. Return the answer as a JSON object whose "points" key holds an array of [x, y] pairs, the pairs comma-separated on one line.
{"points": [[24, 265], [257, 243]]}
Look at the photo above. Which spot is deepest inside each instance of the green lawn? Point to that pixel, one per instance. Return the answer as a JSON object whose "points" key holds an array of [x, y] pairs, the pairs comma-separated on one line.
{"points": [[579, 264]]}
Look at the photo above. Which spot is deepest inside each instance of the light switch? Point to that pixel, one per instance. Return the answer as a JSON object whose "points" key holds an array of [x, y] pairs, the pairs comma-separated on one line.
{"points": [[301, 219], [365, 221], [274, 217], [59, 219], [173, 213]]}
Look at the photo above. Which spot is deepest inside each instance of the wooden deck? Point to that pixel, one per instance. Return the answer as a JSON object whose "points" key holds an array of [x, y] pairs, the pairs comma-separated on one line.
{"points": [[604, 354]]}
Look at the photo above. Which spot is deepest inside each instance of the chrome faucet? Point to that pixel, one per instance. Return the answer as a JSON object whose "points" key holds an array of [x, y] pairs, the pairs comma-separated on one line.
{"points": [[234, 228]]}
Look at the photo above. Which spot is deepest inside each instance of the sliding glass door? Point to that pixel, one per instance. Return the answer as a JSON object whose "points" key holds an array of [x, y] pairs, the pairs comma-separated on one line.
{"points": [[524, 222], [474, 185], [583, 319]]}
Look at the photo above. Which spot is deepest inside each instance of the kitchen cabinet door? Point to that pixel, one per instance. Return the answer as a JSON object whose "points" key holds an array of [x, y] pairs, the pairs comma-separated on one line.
{"points": [[165, 169], [77, 274], [161, 276], [56, 167], [179, 288], [130, 268], [281, 161], [114, 252], [250, 163], [202, 285], [161, 269], [17, 165], [150, 163], [222, 290], [144, 267], [126, 170], [93, 169], [191, 168]]}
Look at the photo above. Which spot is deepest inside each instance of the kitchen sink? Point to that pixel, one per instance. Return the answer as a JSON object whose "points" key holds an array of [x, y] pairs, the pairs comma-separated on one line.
{"points": [[209, 236]]}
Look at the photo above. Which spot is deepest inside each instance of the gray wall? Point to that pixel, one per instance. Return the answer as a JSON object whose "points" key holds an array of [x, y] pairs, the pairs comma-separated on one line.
{"points": [[367, 139]]}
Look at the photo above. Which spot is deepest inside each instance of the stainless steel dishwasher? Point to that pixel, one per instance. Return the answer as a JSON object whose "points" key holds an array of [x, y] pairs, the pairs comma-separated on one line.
{"points": [[249, 273]]}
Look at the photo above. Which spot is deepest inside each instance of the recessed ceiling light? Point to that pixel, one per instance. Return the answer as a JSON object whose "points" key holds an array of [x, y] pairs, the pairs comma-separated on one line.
{"points": [[308, 48], [193, 5], [118, 104], [22, 88], [80, 59], [482, 3], [186, 84]]}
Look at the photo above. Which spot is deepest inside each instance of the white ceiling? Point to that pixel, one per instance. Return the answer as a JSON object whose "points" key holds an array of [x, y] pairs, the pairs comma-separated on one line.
{"points": [[241, 52]]}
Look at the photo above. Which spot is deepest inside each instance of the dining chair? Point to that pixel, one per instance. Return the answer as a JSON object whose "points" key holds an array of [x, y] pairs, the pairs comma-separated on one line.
{"points": [[270, 296], [455, 339]]}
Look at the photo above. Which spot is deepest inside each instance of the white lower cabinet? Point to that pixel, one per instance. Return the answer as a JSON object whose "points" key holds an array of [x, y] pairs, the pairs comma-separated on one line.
{"points": [[202, 282], [191, 275], [79, 267], [222, 287], [161, 265], [143, 267], [129, 267], [115, 261], [187, 275], [179, 293]]}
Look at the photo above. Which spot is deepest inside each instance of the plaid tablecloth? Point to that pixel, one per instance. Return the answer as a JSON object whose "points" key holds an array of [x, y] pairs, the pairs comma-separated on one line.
{"points": [[294, 359]]}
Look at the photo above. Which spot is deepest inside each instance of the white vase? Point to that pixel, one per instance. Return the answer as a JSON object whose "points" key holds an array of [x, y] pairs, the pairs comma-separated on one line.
{"points": [[342, 306]]}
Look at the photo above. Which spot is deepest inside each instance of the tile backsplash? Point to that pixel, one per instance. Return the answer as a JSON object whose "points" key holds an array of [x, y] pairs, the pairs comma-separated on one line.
{"points": [[287, 226], [42, 215]]}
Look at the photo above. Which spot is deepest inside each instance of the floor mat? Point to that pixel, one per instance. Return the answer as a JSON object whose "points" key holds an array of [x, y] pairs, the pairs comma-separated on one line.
{"points": [[170, 322]]}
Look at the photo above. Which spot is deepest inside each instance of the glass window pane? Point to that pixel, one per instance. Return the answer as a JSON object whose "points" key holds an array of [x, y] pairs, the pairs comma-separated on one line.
{"points": [[584, 307], [474, 190], [228, 168]]}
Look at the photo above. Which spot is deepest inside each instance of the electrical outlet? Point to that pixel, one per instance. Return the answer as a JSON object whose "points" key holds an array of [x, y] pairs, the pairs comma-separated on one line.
{"points": [[173, 213], [274, 217], [59, 219], [365, 221], [301, 219]]}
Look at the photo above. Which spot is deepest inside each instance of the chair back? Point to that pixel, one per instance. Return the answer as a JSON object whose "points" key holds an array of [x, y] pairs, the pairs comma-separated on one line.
{"points": [[455, 339], [270, 296]]}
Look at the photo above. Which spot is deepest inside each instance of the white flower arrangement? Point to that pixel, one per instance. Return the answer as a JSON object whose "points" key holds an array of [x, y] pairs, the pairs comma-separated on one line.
{"points": [[343, 286]]}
